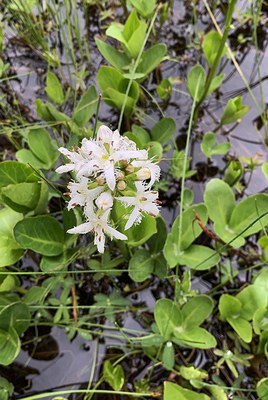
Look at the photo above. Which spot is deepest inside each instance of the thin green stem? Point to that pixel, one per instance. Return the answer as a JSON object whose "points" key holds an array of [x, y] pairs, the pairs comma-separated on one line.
{"points": [[104, 392], [184, 170]]}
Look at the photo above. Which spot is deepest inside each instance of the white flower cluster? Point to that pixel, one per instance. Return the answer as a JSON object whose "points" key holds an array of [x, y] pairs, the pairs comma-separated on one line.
{"points": [[107, 169]]}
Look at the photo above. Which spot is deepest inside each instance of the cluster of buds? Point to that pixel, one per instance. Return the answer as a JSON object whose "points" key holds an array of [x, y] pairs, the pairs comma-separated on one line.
{"points": [[108, 169]]}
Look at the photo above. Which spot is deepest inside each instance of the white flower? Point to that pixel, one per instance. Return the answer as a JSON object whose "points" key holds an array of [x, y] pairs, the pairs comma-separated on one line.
{"points": [[104, 201], [143, 201], [81, 195], [98, 223], [151, 166], [77, 161], [107, 151]]}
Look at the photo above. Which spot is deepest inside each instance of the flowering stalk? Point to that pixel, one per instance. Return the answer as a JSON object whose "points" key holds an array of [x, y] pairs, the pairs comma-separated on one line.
{"points": [[108, 169]]}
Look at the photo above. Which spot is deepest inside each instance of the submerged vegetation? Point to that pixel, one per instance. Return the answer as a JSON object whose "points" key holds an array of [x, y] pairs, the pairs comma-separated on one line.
{"points": [[96, 98]]}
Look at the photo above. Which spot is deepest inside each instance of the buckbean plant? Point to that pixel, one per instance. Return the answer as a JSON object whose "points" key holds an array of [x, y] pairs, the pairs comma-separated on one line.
{"points": [[98, 200]]}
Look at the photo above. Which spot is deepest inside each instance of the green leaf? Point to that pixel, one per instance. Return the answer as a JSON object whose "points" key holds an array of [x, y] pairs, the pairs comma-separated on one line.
{"points": [[151, 58], [216, 191], [27, 157], [262, 389], [115, 31], [8, 283], [234, 111], [132, 75], [41, 145], [233, 172], [141, 266], [141, 134], [9, 346], [248, 211], [116, 58], [134, 33], [242, 328], [167, 316], [252, 298], [220, 212], [114, 86], [54, 89], [164, 89], [216, 83], [260, 320], [197, 310], [190, 231], [172, 392], [86, 107], [57, 263], [49, 113], [42, 234], [144, 7], [6, 388], [35, 295], [155, 150], [22, 197], [10, 251], [196, 80], [160, 266], [211, 45], [231, 310], [194, 336], [114, 375], [264, 169], [199, 257], [210, 148], [157, 241], [12, 172], [137, 234], [190, 373], [229, 306], [164, 130], [15, 315], [168, 356]]}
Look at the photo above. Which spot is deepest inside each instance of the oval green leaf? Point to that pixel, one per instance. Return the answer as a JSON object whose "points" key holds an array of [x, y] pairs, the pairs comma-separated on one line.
{"points": [[42, 234]]}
